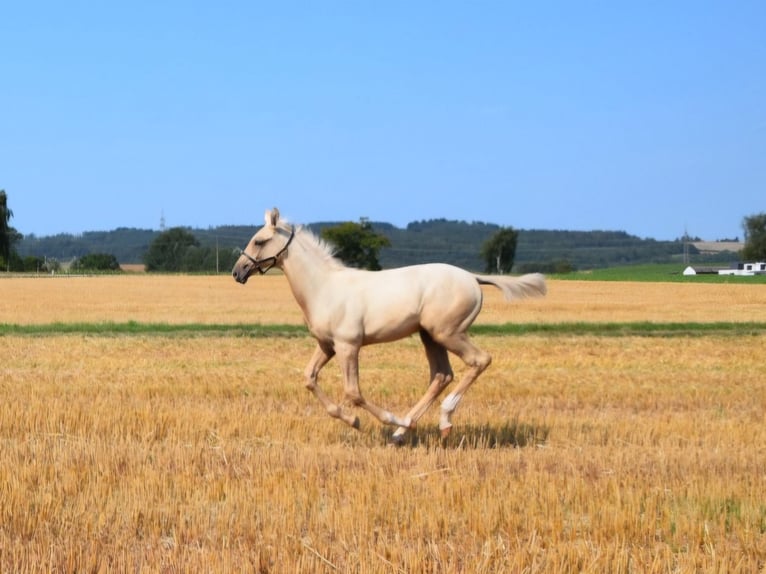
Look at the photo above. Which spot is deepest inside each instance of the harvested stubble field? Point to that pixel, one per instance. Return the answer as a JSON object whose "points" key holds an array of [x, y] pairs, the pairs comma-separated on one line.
{"points": [[202, 452]]}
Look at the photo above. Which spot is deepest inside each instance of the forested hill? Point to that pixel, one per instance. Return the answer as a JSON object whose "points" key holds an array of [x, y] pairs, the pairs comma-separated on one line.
{"points": [[456, 242], [460, 243]]}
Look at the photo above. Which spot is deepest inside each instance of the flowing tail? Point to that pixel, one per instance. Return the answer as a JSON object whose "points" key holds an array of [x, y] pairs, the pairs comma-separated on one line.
{"points": [[530, 285]]}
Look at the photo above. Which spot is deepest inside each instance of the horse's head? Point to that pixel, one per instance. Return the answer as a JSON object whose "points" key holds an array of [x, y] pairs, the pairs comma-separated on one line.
{"points": [[265, 249]]}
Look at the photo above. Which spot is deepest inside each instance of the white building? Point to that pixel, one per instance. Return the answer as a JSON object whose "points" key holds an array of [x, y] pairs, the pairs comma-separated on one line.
{"points": [[757, 268], [746, 269]]}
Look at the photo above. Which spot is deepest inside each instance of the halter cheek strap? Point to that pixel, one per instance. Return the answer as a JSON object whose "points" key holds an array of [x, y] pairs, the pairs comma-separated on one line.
{"points": [[263, 265]]}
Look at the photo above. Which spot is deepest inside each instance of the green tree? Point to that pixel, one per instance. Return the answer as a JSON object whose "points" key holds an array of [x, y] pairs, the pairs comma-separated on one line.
{"points": [[499, 251], [8, 235], [98, 262], [357, 244], [755, 237], [32, 263], [167, 251]]}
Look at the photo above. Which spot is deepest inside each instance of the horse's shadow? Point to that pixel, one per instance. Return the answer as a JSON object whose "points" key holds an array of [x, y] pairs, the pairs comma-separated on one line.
{"points": [[512, 434]]}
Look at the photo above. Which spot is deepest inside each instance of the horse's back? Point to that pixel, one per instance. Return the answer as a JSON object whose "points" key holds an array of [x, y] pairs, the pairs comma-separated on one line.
{"points": [[437, 284]]}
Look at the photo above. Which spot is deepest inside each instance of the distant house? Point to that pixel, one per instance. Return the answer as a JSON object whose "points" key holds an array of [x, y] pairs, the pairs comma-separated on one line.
{"points": [[746, 269], [757, 268]]}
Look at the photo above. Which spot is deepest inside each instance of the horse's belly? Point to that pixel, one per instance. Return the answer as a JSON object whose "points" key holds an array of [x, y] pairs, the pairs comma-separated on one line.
{"points": [[381, 331], [365, 320]]}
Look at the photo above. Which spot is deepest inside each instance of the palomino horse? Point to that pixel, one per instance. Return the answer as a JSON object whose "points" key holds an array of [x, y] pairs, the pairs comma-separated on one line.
{"points": [[347, 308]]}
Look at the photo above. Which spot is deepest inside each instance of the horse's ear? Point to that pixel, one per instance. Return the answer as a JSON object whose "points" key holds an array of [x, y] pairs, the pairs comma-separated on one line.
{"points": [[271, 217]]}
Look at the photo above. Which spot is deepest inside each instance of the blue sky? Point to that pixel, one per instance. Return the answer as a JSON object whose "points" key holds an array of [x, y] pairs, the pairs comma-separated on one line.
{"points": [[648, 117]]}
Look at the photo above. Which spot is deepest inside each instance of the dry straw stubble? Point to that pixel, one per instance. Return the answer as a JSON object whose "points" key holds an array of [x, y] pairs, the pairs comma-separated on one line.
{"points": [[206, 454]]}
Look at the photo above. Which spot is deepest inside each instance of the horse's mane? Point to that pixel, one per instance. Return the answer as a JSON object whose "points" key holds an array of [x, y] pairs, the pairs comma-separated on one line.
{"points": [[322, 249]]}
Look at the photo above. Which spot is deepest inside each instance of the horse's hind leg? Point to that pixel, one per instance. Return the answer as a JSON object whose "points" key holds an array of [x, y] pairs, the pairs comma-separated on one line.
{"points": [[476, 360], [320, 358], [441, 376]]}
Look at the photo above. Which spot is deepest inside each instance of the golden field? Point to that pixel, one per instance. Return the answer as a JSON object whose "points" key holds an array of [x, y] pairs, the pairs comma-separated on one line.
{"points": [[267, 299], [203, 453]]}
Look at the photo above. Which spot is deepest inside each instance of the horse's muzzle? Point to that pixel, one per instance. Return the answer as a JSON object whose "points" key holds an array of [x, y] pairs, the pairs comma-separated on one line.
{"points": [[241, 273], [241, 279]]}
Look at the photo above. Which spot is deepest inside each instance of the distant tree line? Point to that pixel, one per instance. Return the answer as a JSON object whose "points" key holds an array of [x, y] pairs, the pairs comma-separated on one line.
{"points": [[457, 242], [178, 250], [128, 245], [371, 245]]}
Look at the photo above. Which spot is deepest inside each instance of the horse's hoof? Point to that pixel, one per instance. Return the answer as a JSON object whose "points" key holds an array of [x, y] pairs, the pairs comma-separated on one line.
{"points": [[397, 440], [446, 431], [356, 424]]}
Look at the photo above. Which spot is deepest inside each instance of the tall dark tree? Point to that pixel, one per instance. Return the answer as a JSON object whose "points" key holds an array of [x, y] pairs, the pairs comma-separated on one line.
{"points": [[167, 251], [499, 251], [8, 235], [357, 244], [755, 237]]}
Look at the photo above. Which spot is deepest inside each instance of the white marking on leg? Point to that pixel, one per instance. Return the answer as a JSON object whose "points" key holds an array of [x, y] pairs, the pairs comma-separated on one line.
{"points": [[392, 419], [449, 404]]}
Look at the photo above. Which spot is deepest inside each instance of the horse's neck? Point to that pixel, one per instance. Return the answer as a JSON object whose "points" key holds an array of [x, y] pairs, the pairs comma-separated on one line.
{"points": [[305, 268]]}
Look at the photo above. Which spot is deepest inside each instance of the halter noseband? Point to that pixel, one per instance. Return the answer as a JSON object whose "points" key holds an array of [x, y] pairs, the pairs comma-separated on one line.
{"points": [[269, 262]]}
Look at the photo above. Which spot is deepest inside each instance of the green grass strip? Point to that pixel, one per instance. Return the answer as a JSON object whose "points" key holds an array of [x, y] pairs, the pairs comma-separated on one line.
{"points": [[634, 329], [641, 329], [156, 329]]}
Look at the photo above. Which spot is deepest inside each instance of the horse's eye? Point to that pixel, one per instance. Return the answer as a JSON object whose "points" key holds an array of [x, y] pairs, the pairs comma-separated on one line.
{"points": [[259, 241]]}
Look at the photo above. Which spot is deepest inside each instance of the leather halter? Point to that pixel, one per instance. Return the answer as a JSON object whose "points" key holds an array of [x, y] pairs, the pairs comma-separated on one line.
{"points": [[271, 261]]}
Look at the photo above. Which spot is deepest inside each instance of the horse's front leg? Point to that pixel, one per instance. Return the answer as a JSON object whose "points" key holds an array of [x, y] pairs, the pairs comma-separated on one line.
{"points": [[348, 356], [322, 354]]}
